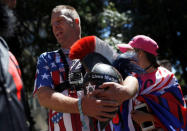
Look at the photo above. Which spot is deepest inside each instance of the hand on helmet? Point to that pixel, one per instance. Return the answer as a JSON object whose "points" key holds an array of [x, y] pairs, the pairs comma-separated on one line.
{"points": [[113, 91], [98, 108]]}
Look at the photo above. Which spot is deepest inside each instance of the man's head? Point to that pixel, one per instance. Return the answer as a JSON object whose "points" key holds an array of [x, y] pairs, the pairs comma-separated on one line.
{"points": [[145, 48], [7, 20], [65, 23]]}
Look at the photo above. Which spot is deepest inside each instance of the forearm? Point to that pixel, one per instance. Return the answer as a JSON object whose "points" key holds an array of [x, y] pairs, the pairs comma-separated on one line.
{"points": [[130, 88], [57, 101]]}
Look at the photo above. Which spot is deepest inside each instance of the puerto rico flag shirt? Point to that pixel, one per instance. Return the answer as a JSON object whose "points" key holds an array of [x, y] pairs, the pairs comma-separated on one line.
{"points": [[161, 91]]}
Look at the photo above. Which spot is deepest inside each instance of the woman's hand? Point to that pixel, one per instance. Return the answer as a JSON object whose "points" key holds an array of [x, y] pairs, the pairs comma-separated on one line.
{"points": [[140, 116], [102, 110]]}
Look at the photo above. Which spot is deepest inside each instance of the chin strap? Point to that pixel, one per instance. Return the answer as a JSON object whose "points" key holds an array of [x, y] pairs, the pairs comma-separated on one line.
{"points": [[148, 67]]}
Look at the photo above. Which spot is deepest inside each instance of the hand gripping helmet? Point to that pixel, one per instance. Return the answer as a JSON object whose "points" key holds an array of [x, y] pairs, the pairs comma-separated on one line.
{"points": [[99, 74], [98, 71], [96, 57]]}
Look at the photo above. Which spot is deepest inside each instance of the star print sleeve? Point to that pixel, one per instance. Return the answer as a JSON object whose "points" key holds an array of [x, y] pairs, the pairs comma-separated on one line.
{"points": [[43, 75]]}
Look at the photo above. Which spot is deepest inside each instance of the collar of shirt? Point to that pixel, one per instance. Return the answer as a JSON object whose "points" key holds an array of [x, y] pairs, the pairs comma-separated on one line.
{"points": [[65, 51]]}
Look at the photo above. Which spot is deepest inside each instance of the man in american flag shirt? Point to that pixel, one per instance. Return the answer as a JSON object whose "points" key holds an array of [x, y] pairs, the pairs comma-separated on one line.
{"points": [[64, 114], [158, 88]]}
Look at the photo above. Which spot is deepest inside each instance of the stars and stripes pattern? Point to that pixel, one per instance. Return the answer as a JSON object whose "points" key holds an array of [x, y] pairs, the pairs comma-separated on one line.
{"points": [[165, 100], [50, 72]]}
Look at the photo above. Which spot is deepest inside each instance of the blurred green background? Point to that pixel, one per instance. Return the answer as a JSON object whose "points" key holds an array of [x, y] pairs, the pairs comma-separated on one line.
{"points": [[115, 21]]}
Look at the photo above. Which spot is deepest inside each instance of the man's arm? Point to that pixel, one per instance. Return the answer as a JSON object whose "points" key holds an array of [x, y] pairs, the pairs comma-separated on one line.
{"points": [[56, 101], [90, 105]]}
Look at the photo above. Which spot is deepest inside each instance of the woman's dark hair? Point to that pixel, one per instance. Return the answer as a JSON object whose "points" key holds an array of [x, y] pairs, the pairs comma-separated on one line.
{"points": [[151, 58], [7, 21]]}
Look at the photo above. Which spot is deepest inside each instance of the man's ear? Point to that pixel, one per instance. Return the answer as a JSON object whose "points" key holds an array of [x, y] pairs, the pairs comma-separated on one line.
{"points": [[77, 21]]}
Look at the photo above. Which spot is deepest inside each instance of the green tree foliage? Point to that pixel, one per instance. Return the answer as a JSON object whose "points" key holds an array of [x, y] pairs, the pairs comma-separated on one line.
{"points": [[164, 21], [116, 21], [34, 36]]}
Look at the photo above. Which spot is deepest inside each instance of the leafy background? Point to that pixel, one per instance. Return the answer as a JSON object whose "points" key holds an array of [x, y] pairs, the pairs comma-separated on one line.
{"points": [[115, 21]]}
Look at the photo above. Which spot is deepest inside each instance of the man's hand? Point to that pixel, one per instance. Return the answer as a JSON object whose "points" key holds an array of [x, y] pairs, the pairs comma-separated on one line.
{"points": [[102, 110]]}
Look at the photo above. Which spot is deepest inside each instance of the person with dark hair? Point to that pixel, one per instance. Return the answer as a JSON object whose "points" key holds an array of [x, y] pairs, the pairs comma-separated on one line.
{"points": [[12, 112], [152, 100], [67, 103], [159, 91], [165, 63]]}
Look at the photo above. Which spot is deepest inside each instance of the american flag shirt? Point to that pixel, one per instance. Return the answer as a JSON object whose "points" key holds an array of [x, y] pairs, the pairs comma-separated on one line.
{"points": [[161, 91], [50, 72]]}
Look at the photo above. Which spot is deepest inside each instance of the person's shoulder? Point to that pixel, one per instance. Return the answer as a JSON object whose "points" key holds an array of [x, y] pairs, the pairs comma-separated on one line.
{"points": [[48, 55], [165, 73], [164, 70]]}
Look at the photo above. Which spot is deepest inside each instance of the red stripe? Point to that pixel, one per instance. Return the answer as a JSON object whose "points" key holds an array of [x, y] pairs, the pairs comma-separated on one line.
{"points": [[155, 99], [61, 125], [73, 121], [152, 97], [160, 81], [53, 114], [158, 123], [15, 75], [170, 98], [76, 123], [15, 62], [171, 77], [108, 128], [184, 113], [172, 103], [94, 124], [75, 118], [56, 77], [51, 124], [173, 108]]}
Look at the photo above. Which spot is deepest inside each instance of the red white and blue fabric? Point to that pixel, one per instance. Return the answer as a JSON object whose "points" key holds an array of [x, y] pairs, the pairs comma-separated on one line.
{"points": [[50, 72], [165, 100]]}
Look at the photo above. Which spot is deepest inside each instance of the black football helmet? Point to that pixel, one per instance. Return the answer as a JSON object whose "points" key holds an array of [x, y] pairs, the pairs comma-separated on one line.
{"points": [[98, 70]]}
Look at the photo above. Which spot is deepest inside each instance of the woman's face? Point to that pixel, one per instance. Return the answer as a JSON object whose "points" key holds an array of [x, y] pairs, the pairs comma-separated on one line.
{"points": [[140, 56]]}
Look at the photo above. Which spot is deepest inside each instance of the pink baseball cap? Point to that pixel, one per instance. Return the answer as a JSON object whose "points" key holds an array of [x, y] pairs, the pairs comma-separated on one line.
{"points": [[141, 42], [124, 47]]}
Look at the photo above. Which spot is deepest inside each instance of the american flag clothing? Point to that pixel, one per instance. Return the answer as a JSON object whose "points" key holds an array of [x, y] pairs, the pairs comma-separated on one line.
{"points": [[162, 93], [50, 72]]}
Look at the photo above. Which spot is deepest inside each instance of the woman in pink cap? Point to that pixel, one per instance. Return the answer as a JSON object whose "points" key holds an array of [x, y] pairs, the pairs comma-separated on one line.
{"points": [[159, 92]]}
